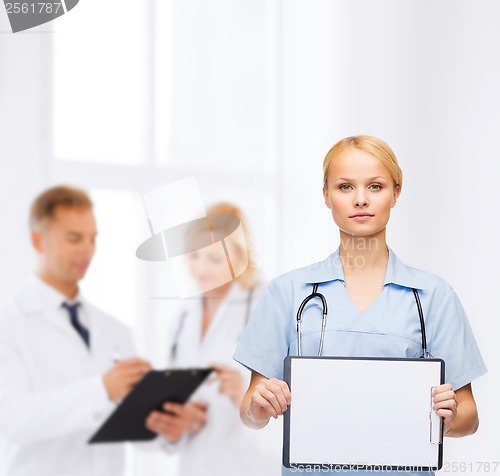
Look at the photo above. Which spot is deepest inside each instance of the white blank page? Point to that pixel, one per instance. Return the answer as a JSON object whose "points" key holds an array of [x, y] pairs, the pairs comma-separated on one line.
{"points": [[362, 411]]}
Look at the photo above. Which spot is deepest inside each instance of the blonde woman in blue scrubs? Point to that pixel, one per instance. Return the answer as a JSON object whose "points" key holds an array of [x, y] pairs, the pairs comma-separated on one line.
{"points": [[372, 311]]}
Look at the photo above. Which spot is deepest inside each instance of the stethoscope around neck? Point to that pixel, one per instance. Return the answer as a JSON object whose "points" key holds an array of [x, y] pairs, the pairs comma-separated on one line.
{"points": [[316, 295]]}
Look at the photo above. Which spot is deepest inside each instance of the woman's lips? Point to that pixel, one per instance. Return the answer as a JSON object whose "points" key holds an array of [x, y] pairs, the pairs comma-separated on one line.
{"points": [[361, 217]]}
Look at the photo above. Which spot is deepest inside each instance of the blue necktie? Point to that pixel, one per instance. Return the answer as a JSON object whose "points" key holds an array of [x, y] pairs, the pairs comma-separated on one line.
{"points": [[75, 322]]}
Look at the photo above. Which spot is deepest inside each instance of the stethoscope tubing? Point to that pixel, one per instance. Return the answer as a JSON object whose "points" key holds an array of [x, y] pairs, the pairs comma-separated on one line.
{"points": [[316, 294], [300, 311]]}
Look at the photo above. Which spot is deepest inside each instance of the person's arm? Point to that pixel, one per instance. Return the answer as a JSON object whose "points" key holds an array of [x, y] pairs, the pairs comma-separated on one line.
{"points": [[265, 398], [451, 339], [458, 410], [28, 416]]}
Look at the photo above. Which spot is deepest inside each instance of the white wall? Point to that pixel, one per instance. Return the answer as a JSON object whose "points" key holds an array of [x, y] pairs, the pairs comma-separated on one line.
{"points": [[422, 75], [23, 133]]}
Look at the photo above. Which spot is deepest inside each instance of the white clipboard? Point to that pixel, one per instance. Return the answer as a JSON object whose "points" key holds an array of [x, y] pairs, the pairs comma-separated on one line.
{"points": [[363, 413]]}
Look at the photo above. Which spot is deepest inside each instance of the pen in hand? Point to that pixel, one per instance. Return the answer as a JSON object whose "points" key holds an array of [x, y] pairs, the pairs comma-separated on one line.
{"points": [[116, 356], [124, 375]]}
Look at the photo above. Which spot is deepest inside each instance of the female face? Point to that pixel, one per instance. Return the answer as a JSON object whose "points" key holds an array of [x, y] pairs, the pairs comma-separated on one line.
{"points": [[360, 193], [208, 265]]}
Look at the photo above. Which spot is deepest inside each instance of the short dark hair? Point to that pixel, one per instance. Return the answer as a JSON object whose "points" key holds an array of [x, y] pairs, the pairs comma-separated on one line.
{"points": [[44, 206]]}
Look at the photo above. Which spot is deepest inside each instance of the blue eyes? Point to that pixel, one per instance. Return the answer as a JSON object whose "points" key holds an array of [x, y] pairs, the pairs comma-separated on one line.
{"points": [[346, 187]]}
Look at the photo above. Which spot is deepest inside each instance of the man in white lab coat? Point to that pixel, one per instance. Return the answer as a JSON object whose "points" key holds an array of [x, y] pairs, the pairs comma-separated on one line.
{"points": [[59, 369]]}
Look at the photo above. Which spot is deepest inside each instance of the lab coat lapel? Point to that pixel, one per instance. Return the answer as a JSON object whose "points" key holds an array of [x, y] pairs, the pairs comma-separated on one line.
{"points": [[105, 346], [97, 330], [212, 328], [36, 304], [189, 339], [236, 293]]}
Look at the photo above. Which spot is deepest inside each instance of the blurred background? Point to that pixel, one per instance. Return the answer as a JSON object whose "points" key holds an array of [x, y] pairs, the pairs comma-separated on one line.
{"points": [[123, 96]]}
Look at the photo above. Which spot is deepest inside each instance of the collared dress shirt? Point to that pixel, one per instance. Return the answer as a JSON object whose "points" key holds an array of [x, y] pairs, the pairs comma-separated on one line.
{"points": [[389, 327]]}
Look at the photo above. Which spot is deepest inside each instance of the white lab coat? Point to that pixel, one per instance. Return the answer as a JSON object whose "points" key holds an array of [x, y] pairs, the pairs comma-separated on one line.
{"points": [[224, 446], [52, 396]]}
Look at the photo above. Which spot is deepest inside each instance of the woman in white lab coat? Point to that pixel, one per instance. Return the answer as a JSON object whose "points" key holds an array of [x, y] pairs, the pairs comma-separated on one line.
{"points": [[207, 431]]}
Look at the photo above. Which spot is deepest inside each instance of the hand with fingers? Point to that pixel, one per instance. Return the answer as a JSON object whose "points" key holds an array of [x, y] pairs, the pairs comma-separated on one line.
{"points": [[120, 380], [230, 382], [270, 398], [445, 404], [177, 420]]}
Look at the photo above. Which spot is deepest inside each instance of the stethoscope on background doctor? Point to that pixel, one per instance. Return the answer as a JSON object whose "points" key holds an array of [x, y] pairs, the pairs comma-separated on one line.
{"points": [[316, 294]]}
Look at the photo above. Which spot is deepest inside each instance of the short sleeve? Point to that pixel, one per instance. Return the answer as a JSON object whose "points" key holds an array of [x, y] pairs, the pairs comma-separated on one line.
{"points": [[452, 339], [264, 343]]}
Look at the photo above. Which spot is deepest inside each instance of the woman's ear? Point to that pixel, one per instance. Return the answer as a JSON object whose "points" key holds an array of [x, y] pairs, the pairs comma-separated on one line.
{"points": [[395, 196], [326, 196]]}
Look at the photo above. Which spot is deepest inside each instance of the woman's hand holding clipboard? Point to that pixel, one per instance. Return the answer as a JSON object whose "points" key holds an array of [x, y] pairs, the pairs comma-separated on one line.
{"points": [[128, 421]]}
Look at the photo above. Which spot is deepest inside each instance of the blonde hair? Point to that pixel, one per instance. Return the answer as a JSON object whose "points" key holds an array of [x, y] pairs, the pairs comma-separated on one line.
{"points": [[45, 204], [222, 228], [374, 146]]}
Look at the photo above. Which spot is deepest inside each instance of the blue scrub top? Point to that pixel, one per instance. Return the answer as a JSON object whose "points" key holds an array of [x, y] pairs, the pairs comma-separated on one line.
{"points": [[389, 327]]}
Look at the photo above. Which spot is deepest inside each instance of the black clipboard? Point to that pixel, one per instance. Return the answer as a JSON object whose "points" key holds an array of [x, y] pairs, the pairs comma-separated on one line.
{"points": [[127, 422], [327, 425]]}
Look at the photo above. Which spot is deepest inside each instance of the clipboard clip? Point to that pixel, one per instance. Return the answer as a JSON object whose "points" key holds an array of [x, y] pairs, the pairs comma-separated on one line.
{"points": [[193, 371], [435, 424]]}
